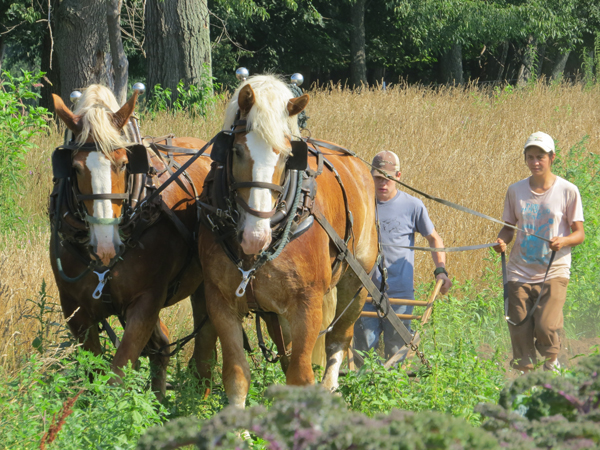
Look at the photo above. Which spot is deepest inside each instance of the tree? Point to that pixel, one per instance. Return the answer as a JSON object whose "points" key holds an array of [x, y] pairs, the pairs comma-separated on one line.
{"points": [[119, 59], [358, 67], [177, 42], [82, 45]]}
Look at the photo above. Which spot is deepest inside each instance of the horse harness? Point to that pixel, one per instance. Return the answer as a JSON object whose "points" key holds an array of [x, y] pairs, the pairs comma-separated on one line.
{"points": [[142, 205], [293, 215]]}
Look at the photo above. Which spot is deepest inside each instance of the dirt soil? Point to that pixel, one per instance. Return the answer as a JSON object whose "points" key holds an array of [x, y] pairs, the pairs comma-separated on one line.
{"points": [[567, 356]]}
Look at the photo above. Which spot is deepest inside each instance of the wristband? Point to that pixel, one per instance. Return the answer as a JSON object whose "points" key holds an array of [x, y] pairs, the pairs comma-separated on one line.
{"points": [[439, 270]]}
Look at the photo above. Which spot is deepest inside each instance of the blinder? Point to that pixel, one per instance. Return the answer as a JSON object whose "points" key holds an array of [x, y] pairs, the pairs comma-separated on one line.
{"points": [[138, 159], [61, 163], [222, 144], [298, 160]]}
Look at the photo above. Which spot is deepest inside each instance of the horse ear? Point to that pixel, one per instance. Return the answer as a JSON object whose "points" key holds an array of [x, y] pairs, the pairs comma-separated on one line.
{"points": [[70, 120], [121, 117], [246, 99], [297, 105]]}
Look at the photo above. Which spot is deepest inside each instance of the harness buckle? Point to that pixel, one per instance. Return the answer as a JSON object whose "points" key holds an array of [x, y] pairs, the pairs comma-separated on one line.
{"points": [[247, 276], [102, 280], [212, 224]]}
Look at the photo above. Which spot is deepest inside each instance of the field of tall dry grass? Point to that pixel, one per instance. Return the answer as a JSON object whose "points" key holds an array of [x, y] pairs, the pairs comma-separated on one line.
{"points": [[464, 145]]}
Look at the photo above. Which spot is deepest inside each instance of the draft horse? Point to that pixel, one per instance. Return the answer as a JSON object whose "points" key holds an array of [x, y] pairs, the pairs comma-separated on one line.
{"points": [[114, 250], [255, 156]]}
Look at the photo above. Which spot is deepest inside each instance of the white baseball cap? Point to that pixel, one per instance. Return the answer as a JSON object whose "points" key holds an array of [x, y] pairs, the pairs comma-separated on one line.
{"points": [[541, 140]]}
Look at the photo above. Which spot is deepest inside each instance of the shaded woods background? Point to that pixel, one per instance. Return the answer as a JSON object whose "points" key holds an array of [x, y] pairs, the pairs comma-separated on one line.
{"points": [[354, 41]]}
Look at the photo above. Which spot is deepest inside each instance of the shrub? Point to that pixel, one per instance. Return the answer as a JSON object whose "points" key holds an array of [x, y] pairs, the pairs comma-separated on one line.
{"points": [[19, 122], [312, 418], [544, 410], [103, 415]]}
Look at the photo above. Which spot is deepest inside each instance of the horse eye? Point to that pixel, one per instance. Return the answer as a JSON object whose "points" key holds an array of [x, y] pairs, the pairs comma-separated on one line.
{"points": [[238, 149]]}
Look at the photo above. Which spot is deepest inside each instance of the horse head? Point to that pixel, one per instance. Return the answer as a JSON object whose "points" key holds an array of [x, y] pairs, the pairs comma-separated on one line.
{"points": [[100, 168], [261, 116]]}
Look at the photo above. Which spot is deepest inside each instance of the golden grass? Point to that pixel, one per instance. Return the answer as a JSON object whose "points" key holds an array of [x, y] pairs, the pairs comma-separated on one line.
{"points": [[464, 145]]}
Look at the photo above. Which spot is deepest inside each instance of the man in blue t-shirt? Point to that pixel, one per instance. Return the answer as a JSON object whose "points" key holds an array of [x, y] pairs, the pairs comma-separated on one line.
{"points": [[400, 216]]}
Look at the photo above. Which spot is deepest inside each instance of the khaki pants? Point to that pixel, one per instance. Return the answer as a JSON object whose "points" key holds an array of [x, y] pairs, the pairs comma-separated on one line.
{"points": [[541, 331]]}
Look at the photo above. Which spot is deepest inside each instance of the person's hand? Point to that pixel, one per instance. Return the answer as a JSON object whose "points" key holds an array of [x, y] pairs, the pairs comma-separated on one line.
{"points": [[500, 247], [557, 242], [447, 283]]}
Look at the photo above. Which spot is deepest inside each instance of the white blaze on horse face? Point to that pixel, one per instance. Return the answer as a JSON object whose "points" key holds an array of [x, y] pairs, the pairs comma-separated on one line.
{"points": [[104, 238], [257, 231]]}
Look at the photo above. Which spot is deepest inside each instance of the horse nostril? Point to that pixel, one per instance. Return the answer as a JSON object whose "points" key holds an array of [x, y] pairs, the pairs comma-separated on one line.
{"points": [[240, 236]]}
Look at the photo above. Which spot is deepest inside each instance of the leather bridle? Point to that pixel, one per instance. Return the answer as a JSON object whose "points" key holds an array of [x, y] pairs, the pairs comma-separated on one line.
{"points": [[222, 150]]}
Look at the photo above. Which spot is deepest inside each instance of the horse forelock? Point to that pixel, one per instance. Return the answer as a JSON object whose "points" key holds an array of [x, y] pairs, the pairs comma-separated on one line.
{"points": [[95, 107], [269, 116]]}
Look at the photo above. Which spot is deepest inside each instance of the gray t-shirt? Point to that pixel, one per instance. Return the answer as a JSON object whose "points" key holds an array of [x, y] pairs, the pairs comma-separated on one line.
{"points": [[399, 218]]}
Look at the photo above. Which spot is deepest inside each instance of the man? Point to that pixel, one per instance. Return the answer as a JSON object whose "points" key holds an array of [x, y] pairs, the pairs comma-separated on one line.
{"points": [[400, 216], [549, 206]]}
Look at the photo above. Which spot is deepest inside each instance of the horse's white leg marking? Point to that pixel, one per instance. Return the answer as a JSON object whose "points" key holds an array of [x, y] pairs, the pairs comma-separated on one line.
{"points": [[332, 371], [239, 401], [257, 231], [104, 238]]}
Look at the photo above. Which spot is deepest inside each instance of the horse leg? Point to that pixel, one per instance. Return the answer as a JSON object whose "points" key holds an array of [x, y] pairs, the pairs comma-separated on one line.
{"points": [[228, 324], [287, 339], [141, 322], [338, 339], [205, 350], [159, 361], [305, 325]]}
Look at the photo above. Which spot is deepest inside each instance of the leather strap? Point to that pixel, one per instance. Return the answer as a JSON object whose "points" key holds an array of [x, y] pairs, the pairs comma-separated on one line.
{"points": [[82, 197], [255, 212], [256, 184], [175, 176], [380, 300]]}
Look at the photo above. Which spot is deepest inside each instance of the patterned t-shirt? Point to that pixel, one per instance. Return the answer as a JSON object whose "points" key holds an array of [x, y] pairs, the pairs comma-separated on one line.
{"points": [[548, 215]]}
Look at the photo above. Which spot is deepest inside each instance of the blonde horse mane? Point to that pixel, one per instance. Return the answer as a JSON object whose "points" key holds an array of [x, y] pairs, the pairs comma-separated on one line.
{"points": [[95, 107], [269, 116]]}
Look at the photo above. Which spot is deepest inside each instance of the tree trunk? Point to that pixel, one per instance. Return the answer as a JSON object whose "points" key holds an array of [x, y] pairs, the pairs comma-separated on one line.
{"points": [[502, 62], [119, 59], [559, 66], [2, 48], [81, 45], [49, 61], [527, 70], [451, 65], [378, 75], [541, 55], [358, 66], [177, 42]]}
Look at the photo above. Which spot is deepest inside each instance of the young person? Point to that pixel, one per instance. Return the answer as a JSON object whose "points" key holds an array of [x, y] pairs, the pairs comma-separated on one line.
{"points": [[548, 206], [400, 216]]}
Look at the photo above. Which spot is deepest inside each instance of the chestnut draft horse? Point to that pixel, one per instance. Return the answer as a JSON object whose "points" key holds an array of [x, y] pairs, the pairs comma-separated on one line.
{"points": [[109, 256], [261, 119]]}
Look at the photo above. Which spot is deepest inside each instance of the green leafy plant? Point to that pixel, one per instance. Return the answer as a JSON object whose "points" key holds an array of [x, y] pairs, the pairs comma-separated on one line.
{"points": [[20, 120], [582, 168], [102, 415], [42, 310]]}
